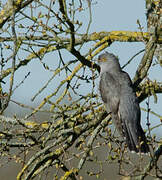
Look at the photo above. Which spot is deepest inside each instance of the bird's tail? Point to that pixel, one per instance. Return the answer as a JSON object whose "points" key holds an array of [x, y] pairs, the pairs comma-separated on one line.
{"points": [[133, 133], [136, 140]]}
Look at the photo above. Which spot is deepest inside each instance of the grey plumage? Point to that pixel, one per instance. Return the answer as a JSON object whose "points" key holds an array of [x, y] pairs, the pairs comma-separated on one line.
{"points": [[120, 99]]}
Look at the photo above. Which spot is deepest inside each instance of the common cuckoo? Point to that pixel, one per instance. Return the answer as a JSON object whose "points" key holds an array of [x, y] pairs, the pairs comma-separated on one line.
{"points": [[120, 100]]}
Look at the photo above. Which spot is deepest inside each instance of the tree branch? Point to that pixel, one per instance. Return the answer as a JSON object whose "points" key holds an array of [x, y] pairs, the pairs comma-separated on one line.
{"points": [[7, 11], [151, 164], [145, 63]]}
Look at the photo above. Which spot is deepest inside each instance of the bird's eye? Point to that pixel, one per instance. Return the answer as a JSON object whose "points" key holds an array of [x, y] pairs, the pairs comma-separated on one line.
{"points": [[103, 59], [99, 59]]}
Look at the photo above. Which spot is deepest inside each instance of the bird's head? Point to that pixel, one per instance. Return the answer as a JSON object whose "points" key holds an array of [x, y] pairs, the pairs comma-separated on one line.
{"points": [[108, 62]]}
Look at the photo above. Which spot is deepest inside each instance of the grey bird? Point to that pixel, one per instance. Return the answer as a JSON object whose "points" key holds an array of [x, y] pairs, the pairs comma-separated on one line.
{"points": [[120, 100]]}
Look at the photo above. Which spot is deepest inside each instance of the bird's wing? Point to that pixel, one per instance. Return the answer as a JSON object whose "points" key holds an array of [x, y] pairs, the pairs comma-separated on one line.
{"points": [[132, 130], [130, 115], [110, 91]]}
